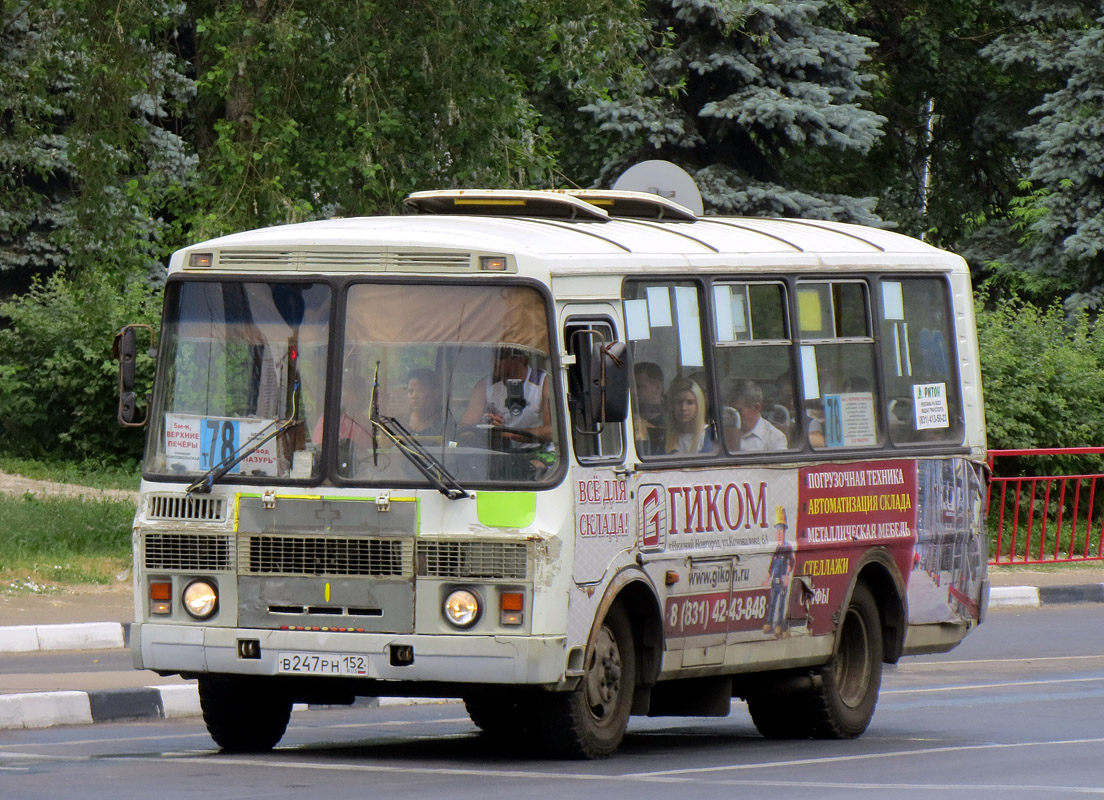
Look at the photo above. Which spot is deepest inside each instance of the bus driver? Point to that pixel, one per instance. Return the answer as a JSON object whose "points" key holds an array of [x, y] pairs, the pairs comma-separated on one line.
{"points": [[514, 397]]}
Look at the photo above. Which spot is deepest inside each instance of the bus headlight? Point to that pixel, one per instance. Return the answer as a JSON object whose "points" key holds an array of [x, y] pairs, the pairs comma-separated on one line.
{"points": [[200, 599], [462, 608]]}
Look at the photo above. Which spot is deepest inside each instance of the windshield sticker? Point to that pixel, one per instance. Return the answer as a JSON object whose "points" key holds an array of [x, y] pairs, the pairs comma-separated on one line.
{"points": [[194, 444], [929, 403]]}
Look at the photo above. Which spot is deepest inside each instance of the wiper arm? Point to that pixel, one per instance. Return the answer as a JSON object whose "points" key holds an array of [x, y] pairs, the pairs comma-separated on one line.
{"points": [[427, 464], [258, 440]]}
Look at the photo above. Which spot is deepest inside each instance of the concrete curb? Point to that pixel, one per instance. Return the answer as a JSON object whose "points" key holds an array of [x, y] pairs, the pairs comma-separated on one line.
{"points": [[74, 636], [47, 709], [1035, 596]]}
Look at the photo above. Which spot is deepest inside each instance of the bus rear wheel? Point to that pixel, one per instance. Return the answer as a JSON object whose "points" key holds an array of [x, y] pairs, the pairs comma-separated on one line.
{"points": [[837, 701], [848, 687], [243, 715], [590, 721]]}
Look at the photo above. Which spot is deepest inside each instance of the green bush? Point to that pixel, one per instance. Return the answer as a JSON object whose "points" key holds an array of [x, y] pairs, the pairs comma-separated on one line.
{"points": [[1043, 375], [58, 381]]}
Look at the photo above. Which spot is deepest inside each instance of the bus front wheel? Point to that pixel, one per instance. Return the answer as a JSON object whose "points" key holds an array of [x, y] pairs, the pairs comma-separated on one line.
{"points": [[501, 716], [242, 714], [590, 721]]}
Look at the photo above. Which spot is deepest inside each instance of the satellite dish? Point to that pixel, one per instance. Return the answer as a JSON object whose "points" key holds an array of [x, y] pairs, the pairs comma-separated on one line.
{"points": [[665, 179]]}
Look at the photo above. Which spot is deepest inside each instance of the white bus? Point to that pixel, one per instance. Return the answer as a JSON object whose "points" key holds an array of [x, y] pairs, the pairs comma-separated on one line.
{"points": [[568, 457]]}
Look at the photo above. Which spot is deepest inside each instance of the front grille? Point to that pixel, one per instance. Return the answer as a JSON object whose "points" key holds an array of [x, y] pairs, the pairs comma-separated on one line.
{"points": [[319, 555], [186, 508], [508, 560], [186, 551]]}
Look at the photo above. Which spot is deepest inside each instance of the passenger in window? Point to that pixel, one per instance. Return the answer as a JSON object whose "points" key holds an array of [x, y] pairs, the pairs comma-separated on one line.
{"points": [[355, 414], [687, 429], [754, 431], [513, 397], [814, 411], [649, 393], [779, 407], [423, 391], [649, 424]]}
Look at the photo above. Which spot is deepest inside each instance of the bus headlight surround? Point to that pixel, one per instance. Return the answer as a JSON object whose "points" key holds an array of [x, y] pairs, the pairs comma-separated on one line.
{"points": [[462, 608], [200, 598]]}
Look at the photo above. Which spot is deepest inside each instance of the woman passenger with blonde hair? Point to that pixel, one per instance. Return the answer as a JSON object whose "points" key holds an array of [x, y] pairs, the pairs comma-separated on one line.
{"points": [[687, 429]]}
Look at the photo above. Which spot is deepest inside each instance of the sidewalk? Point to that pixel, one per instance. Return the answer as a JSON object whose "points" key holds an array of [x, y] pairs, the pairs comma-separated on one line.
{"points": [[96, 623]]}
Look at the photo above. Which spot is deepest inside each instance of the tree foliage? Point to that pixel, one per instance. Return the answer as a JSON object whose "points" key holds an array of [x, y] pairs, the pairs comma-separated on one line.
{"points": [[58, 382], [91, 157], [1043, 373], [131, 127], [753, 99], [1064, 39], [949, 153]]}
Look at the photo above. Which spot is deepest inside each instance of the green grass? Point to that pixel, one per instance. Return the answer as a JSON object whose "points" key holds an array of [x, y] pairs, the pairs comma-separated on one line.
{"points": [[48, 543], [84, 473]]}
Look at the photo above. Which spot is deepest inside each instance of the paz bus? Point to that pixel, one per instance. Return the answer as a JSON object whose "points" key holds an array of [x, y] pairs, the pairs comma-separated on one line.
{"points": [[567, 457]]}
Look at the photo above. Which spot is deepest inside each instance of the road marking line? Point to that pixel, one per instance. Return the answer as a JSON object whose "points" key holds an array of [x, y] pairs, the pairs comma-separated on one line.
{"points": [[914, 664], [798, 762], [973, 686]]}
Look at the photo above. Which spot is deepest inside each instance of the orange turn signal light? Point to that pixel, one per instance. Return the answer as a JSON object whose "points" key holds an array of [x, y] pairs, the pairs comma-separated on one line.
{"points": [[511, 608]]}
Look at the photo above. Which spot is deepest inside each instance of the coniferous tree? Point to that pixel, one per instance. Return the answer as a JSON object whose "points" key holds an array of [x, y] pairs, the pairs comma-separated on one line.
{"points": [[1060, 218], [754, 99], [90, 150]]}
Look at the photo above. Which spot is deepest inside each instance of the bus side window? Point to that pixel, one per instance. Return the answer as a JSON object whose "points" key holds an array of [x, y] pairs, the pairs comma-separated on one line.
{"points": [[919, 360], [837, 364], [606, 445], [663, 326], [753, 356]]}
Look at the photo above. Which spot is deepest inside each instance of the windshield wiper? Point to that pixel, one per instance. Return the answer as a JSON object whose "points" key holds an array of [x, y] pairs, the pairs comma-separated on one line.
{"points": [[254, 443], [427, 464]]}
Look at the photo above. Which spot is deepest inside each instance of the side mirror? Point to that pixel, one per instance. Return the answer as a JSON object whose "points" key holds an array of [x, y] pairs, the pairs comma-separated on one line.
{"points": [[608, 387], [125, 350]]}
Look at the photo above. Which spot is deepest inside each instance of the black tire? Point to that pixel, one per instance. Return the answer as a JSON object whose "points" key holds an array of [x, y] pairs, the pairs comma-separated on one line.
{"points": [[590, 721], [503, 716], [837, 700], [847, 691], [782, 713], [243, 715]]}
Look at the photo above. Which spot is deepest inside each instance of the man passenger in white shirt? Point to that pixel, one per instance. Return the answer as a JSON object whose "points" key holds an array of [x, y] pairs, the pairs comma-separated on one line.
{"points": [[754, 432]]}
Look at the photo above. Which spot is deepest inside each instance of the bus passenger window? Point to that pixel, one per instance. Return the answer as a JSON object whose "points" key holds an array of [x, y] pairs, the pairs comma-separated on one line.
{"points": [[837, 364], [753, 354], [921, 383], [670, 392]]}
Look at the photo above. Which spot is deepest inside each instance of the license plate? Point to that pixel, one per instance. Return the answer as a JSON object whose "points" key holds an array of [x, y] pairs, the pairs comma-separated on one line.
{"points": [[322, 664]]}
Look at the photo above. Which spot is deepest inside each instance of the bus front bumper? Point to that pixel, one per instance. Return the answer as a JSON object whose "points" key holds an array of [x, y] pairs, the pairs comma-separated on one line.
{"points": [[527, 660]]}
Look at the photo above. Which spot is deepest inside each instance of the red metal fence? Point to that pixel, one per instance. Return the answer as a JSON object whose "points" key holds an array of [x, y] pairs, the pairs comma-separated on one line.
{"points": [[1045, 519]]}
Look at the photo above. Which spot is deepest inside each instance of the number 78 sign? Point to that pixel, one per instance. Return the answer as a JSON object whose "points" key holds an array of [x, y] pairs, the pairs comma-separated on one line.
{"points": [[196, 444]]}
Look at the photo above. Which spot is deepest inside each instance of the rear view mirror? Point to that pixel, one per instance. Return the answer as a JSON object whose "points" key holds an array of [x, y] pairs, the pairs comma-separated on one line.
{"points": [[125, 350], [609, 382]]}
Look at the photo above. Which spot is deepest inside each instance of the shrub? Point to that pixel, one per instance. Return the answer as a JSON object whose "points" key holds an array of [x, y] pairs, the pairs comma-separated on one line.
{"points": [[58, 381], [1043, 375]]}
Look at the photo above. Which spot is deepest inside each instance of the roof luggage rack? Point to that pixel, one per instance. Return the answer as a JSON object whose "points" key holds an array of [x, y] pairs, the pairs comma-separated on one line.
{"points": [[639, 205], [505, 203], [586, 204]]}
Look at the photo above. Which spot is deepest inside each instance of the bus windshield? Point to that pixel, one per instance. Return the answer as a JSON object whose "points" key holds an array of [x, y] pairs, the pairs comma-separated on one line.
{"points": [[453, 377], [241, 360], [462, 370]]}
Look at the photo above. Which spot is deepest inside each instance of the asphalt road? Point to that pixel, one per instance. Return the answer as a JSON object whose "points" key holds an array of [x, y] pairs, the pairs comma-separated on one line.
{"points": [[1015, 712]]}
